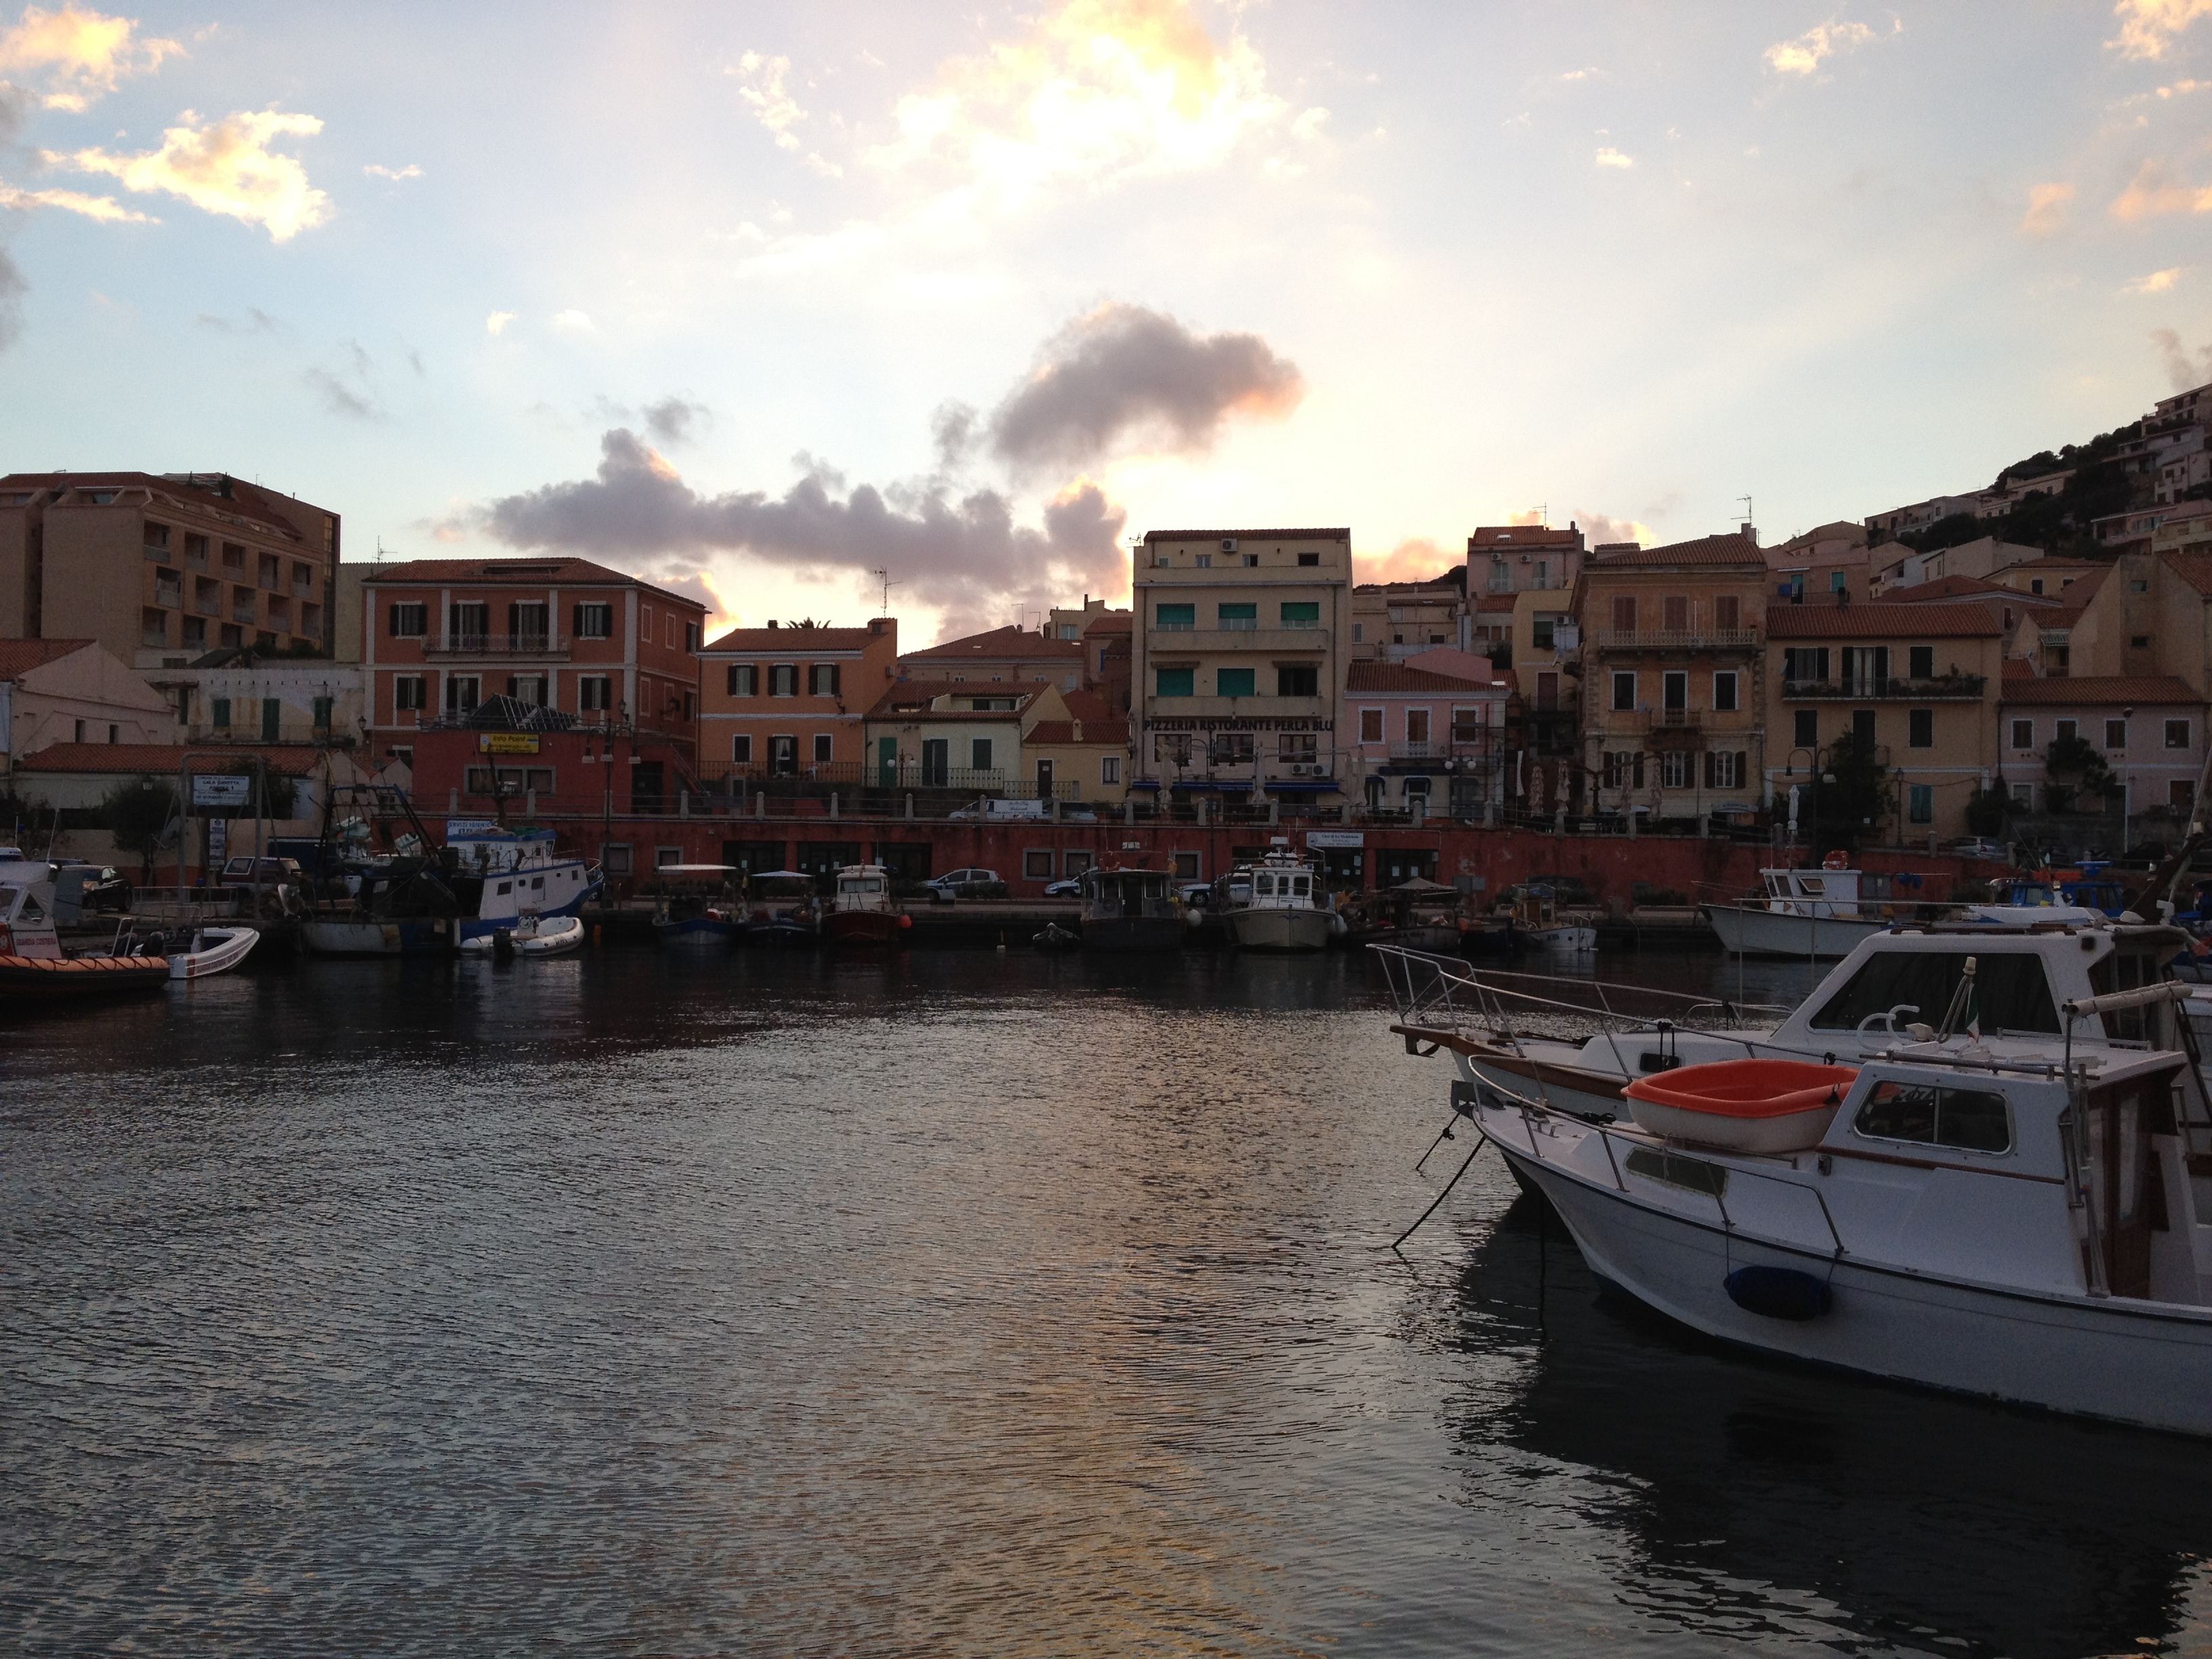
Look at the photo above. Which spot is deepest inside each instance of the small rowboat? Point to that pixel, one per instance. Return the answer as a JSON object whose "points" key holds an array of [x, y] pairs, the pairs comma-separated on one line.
{"points": [[1743, 1105], [533, 936], [214, 951]]}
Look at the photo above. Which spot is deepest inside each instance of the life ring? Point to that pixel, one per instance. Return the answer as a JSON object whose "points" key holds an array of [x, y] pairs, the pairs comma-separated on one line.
{"points": [[1838, 860]]}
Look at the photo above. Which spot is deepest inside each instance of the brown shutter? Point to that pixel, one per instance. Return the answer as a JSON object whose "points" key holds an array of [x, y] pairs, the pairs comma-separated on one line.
{"points": [[1678, 615], [1637, 769], [1708, 769], [1624, 613], [1742, 777]]}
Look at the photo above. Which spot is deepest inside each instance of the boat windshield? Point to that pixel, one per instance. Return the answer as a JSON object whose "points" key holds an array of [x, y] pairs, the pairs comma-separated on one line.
{"points": [[8, 897], [2010, 991], [2032, 893], [861, 885]]}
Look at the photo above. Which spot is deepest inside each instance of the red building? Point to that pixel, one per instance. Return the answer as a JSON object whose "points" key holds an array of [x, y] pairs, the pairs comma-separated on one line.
{"points": [[441, 636]]}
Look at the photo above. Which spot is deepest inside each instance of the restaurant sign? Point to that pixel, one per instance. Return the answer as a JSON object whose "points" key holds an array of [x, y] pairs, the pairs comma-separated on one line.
{"points": [[1242, 723], [1327, 838], [507, 743]]}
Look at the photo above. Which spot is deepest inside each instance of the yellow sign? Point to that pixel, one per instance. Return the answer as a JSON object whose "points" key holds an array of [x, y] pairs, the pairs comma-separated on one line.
{"points": [[507, 743]]}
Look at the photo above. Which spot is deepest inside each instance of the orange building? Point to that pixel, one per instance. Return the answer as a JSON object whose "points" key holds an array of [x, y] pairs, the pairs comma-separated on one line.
{"points": [[782, 702]]}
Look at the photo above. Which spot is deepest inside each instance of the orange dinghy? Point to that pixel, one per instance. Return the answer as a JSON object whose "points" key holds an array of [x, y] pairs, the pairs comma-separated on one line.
{"points": [[1743, 1105]]}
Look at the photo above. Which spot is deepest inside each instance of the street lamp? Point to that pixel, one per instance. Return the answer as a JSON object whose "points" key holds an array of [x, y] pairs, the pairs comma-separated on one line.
{"points": [[1818, 777]]}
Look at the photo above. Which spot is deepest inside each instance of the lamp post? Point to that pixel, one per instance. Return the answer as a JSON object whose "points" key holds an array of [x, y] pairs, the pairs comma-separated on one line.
{"points": [[1817, 777]]}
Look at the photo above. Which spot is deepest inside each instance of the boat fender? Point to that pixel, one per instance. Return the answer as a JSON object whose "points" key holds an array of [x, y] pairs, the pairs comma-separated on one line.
{"points": [[1780, 1294], [905, 921]]}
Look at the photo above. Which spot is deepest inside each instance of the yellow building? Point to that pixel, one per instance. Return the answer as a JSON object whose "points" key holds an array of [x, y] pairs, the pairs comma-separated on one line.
{"points": [[1021, 740]]}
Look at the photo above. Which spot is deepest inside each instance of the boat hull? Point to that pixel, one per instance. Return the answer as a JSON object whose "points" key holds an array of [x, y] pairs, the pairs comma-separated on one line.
{"points": [[1256, 929], [222, 949], [1119, 934], [2132, 1362], [1744, 931], [861, 928], [1567, 940], [57, 979], [429, 938], [698, 934]]}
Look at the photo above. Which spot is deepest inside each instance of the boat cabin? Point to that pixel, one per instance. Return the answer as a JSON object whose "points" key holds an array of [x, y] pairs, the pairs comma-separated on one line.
{"points": [[1108, 893], [862, 887], [27, 910], [1279, 882], [685, 892], [1811, 892]]}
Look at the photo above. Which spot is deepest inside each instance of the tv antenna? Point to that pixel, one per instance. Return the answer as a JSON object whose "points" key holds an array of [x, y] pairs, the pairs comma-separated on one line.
{"points": [[884, 577], [1749, 517]]}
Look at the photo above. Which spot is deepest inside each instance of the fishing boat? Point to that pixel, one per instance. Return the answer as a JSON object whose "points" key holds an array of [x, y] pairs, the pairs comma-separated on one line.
{"points": [[1131, 909], [514, 873], [2029, 1230], [1815, 913], [426, 900], [786, 909], [1539, 924], [698, 906], [531, 938], [861, 911], [1420, 915], [211, 950], [33, 967], [1277, 903], [2076, 895]]}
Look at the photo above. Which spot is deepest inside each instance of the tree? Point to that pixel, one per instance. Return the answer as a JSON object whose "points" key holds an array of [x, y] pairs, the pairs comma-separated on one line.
{"points": [[1857, 798], [1987, 810], [138, 815], [2077, 773]]}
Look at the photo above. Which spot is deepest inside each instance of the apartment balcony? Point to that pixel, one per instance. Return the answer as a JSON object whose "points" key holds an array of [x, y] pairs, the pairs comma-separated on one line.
{"points": [[1174, 639], [1949, 688], [169, 593], [1158, 708], [1672, 638], [242, 609], [504, 647], [1432, 756]]}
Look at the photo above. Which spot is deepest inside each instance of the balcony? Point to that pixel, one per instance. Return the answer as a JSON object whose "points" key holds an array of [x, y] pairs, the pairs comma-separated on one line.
{"points": [[1949, 688], [241, 606], [1305, 638], [1670, 639], [510, 647]]}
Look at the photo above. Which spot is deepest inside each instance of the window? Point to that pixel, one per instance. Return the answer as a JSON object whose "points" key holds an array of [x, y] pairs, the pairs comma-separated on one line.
{"points": [[1862, 726], [1175, 681], [1675, 613], [157, 541], [1674, 770], [1621, 769], [2010, 992], [1204, 561], [595, 692], [2063, 730], [979, 754], [1921, 661], [1110, 769], [1467, 724], [1037, 865], [409, 622], [468, 625], [234, 557], [1805, 663], [218, 714], [1972, 1120], [691, 637], [743, 679], [529, 627], [1674, 692], [741, 749], [668, 631], [1835, 581], [1297, 680], [2116, 734], [1920, 728], [1297, 748], [822, 679], [2139, 642], [2137, 585], [1728, 770], [645, 623], [1172, 746], [407, 691], [783, 680], [1725, 691], [1233, 682], [1805, 734], [154, 626], [1417, 726], [195, 548], [1309, 558], [1728, 613], [1230, 749], [2023, 734], [2023, 796], [594, 622], [2035, 584], [1240, 618], [1358, 633], [2177, 734], [1921, 807], [463, 693], [825, 749], [1624, 613], [1175, 618], [1542, 631], [527, 688], [1624, 689], [615, 857], [1301, 613]]}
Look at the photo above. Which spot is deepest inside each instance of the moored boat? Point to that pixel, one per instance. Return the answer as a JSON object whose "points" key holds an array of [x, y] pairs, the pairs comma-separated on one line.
{"points": [[786, 909], [861, 911], [531, 938], [211, 950], [1277, 903], [698, 906], [1131, 909], [1801, 913], [33, 967]]}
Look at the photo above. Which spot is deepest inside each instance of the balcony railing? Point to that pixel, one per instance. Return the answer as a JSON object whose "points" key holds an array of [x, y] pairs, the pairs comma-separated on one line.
{"points": [[456, 644], [1676, 719], [1950, 687], [241, 608], [1672, 638]]}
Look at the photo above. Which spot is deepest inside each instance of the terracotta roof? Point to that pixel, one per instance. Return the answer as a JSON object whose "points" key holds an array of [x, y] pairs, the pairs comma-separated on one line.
{"points": [[19, 657], [212, 492], [1089, 706], [1706, 551], [794, 639], [1960, 587], [1114, 621], [2018, 668], [1339, 534], [2195, 568], [1112, 730], [1882, 619], [160, 759], [1000, 643], [1505, 537], [534, 573], [909, 700], [2159, 688], [1396, 677]]}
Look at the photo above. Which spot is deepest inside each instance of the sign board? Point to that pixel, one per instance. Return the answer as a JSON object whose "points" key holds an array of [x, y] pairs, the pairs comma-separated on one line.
{"points": [[218, 842], [1336, 838], [462, 829], [1015, 809], [221, 789], [507, 743]]}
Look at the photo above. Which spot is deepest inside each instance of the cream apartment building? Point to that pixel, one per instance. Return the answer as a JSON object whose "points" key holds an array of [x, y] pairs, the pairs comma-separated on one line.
{"points": [[1238, 658]]}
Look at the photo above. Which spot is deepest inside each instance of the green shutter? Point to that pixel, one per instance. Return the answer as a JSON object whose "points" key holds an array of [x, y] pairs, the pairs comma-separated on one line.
{"points": [[1233, 682], [1176, 617], [1176, 682], [1301, 612]]}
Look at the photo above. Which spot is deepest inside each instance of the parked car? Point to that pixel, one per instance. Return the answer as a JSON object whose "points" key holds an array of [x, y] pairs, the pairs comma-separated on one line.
{"points": [[1978, 846], [971, 884], [1071, 888], [272, 873]]}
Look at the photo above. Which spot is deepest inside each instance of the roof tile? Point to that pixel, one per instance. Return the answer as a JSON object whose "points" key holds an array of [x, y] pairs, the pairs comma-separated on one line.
{"points": [[1882, 619]]}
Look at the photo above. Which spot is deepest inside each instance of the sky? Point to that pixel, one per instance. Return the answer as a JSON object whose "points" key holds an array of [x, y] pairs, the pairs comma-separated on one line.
{"points": [[760, 301]]}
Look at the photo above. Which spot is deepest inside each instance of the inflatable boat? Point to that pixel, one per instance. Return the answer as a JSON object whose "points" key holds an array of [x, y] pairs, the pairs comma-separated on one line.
{"points": [[1743, 1105]]}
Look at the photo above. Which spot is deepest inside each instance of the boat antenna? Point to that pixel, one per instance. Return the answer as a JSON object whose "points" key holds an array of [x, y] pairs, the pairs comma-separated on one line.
{"points": [[1957, 1002]]}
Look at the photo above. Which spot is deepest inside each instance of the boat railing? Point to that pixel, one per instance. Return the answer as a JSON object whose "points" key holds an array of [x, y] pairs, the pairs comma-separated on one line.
{"points": [[1448, 993]]}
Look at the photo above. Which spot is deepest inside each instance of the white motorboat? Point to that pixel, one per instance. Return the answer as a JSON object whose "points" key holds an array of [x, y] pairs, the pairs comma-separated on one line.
{"points": [[1578, 1043], [1278, 904], [1536, 919], [1815, 913], [213, 951], [2028, 1230], [531, 936]]}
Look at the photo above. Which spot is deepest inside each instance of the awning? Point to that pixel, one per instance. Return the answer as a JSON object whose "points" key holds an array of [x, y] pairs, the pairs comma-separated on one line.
{"points": [[1301, 786]]}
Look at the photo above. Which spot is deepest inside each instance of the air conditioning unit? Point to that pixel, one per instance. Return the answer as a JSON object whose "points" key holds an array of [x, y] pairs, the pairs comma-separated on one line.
{"points": [[1298, 770], [1228, 543]]}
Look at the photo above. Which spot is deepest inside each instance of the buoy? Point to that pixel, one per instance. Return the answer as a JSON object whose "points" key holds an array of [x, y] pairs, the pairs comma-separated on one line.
{"points": [[905, 921], [1838, 860]]}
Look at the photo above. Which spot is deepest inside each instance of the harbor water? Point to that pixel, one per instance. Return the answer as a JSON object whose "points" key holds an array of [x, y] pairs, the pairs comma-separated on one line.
{"points": [[928, 1303]]}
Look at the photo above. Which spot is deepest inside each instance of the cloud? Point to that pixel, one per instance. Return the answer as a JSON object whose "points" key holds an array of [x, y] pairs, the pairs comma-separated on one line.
{"points": [[1416, 559], [2154, 192], [772, 107], [77, 56], [411, 171], [225, 167], [258, 321], [12, 290], [573, 322], [498, 321], [2149, 27], [2047, 210], [965, 556], [670, 419], [2184, 369], [1121, 374], [348, 391], [2157, 282], [1610, 157], [104, 208], [1804, 55], [1599, 528]]}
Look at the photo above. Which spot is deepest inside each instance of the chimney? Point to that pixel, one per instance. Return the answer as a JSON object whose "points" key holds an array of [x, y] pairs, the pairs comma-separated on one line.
{"points": [[771, 621], [1751, 535]]}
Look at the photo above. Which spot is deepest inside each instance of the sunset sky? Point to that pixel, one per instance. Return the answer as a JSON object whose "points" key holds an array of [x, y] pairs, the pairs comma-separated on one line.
{"points": [[759, 299]]}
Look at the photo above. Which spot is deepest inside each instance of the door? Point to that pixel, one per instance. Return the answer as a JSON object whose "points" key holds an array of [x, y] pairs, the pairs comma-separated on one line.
{"points": [[1045, 780], [782, 758], [272, 720], [887, 762], [1547, 692], [1675, 696], [936, 762]]}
